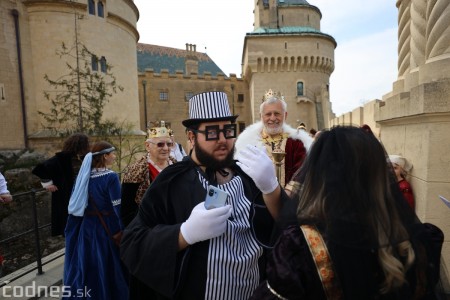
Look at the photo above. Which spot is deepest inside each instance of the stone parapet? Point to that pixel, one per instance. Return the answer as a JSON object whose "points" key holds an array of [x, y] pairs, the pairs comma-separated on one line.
{"points": [[428, 98], [360, 116], [179, 74]]}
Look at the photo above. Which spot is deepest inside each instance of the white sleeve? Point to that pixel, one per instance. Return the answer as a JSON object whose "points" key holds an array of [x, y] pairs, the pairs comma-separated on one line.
{"points": [[46, 183], [3, 187]]}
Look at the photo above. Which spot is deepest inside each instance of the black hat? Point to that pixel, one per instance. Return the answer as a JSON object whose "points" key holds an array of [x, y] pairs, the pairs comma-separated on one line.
{"points": [[209, 107]]}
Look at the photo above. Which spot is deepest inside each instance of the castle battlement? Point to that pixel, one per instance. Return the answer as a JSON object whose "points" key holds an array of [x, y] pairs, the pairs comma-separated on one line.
{"points": [[150, 74]]}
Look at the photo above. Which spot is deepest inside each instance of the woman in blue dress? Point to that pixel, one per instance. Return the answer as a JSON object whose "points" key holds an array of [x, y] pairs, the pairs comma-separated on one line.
{"points": [[92, 267]]}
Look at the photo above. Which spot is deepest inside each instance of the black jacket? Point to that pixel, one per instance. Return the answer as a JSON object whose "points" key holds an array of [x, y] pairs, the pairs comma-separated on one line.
{"points": [[149, 246]]}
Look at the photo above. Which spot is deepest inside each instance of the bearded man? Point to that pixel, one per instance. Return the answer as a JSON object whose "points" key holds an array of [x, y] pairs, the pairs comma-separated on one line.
{"points": [[273, 134], [175, 247]]}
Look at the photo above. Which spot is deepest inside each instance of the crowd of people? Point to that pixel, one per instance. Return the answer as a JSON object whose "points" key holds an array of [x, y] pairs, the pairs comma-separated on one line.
{"points": [[337, 221]]}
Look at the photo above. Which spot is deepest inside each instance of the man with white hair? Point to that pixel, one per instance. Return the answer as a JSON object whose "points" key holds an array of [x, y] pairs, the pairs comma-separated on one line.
{"points": [[274, 134]]}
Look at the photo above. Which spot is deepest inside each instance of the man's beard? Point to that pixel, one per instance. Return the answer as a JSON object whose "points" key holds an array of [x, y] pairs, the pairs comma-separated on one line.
{"points": [[210, 162], [274, 130]]}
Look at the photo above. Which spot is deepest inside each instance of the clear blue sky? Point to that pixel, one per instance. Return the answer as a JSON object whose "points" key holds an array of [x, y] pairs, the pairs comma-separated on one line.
{"points": [[365, 31]]}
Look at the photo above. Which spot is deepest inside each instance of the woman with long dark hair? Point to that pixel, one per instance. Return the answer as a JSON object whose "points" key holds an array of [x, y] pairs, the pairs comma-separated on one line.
{"points": [[94, 230], [356, 237], [58, 175]]}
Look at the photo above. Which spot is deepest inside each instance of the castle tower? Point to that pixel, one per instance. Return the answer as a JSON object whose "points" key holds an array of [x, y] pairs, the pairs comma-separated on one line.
{"points": [[287, 52], [36, 29]]}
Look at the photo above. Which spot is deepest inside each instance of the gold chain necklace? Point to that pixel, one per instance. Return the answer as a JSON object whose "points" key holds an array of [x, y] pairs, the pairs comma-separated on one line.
{"points": [[275, 141]]}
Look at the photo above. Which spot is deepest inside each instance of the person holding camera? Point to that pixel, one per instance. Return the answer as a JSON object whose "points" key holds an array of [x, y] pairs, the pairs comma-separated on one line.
{"points": [[176, 247]]}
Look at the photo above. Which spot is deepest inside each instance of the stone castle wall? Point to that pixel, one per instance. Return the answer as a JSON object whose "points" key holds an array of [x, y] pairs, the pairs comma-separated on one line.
{"points": [[176, 108], [44, 26]]}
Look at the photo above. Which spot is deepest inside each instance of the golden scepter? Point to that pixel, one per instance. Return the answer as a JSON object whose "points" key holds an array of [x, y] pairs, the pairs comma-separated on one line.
{"points": [[278, 156]]}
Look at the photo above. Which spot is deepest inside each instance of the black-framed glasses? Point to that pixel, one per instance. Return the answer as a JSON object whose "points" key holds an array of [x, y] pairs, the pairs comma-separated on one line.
{"points": [[161, 144], [212, 132]]}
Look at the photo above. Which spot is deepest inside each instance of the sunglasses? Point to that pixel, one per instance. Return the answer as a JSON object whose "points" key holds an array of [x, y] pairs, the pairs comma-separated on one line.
{"points": [[161, 144], [212, 132]]}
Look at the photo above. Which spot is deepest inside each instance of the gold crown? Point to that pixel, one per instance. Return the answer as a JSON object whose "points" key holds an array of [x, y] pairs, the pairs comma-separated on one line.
{"points": [[159, 131], [271, 94]]}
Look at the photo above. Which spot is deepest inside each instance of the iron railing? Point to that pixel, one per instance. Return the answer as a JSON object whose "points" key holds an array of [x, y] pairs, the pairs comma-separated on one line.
{"points": [[37, 239]]}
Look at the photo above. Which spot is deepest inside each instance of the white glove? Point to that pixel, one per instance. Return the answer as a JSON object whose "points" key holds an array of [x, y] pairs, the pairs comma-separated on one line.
{"points": [[257, 164], [204, 224]]}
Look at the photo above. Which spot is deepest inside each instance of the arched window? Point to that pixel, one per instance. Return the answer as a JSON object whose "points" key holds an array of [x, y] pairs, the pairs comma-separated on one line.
{"points": [[94, 63], [103, 64], [101, 9], [300, 91], [91, 7]]}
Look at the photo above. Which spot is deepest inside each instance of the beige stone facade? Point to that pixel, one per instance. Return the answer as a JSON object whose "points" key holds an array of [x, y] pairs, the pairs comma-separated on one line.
{"points": [[286, 48], [413, 120], [11, 120], [43, 27], [178, 88]]}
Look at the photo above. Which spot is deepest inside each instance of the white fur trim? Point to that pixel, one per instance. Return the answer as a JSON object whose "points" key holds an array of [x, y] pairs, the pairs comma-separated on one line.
{"points": [[252, 136]]}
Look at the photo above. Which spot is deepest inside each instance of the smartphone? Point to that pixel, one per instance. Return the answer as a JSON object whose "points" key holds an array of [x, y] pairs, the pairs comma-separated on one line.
{"points": [[215, 197]]}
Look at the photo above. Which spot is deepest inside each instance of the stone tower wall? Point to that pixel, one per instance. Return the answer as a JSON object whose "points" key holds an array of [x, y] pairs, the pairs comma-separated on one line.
{"points": [[279, 62], [44, 26], [11, 128]]}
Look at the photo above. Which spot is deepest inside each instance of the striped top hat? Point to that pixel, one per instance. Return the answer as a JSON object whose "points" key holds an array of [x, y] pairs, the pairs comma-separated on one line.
{"points": [[208, 107]]}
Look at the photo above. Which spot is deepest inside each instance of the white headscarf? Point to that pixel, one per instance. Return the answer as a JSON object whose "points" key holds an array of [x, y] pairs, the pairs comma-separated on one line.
{"points": [[401, 161], [79, 198]]}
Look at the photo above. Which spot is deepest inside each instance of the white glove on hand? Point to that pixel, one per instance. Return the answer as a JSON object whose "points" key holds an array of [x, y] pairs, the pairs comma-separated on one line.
{"points": [[204, 224], [257, 164]]}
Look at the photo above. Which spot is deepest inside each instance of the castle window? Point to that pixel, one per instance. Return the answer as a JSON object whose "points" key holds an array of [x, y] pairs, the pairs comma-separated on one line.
{"points": [[241, 126], [91, 7], [188, 96], [300, 91], [94, 63], [101, 9], [164, 96], [103, 66], [2, 92], [240, 98]]}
